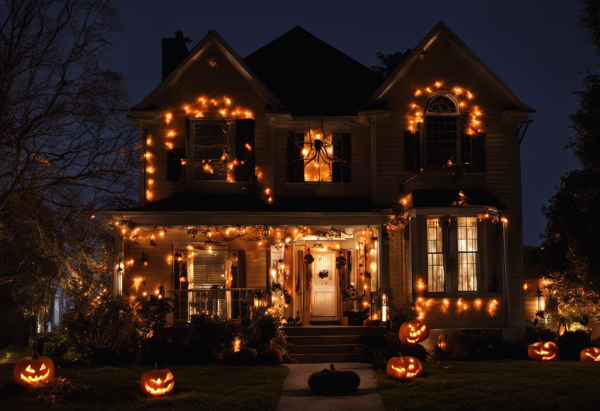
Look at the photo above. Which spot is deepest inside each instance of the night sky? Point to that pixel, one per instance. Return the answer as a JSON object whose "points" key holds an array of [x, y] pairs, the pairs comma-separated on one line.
{"points": [[535, 47]]}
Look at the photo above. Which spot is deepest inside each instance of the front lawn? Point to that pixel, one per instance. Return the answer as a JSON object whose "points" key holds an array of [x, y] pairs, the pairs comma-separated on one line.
{"points": [[196, 388], [496, 385]]}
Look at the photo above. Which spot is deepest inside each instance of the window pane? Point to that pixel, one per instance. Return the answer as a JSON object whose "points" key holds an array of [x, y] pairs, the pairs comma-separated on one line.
{"points": [[467, 253], [442, 139], [209, 268], [435, 256], [211, 150], [317, 165]]}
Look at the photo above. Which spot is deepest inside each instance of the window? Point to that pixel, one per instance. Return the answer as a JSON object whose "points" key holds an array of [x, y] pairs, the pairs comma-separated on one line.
{"points": [[441, 131], [318, 158], [314, 157], [209, 268], [435, 256], [212, 143], [467, 253]]}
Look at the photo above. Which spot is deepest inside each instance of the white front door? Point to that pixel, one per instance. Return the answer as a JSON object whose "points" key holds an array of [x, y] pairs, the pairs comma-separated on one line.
{"points": [[324, 285]]}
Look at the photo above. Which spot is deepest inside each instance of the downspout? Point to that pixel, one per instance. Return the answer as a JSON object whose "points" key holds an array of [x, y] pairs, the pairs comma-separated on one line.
{"points": [[273, 124], [374, 160], [145, 145], [505, 275]]}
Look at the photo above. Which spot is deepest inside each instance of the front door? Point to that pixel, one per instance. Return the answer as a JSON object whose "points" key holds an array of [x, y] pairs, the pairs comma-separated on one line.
{"points": [[324, 285]]}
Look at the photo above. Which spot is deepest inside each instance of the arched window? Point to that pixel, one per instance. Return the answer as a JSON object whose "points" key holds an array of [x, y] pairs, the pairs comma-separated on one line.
{"points": [[442, 135]]}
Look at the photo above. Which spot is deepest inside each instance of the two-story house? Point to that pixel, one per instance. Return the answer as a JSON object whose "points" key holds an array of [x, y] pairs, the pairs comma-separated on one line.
{"points": [[301, 172]]}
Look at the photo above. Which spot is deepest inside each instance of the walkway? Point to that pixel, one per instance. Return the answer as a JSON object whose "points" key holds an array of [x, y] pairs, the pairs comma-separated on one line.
{"points": [[297, 396]]}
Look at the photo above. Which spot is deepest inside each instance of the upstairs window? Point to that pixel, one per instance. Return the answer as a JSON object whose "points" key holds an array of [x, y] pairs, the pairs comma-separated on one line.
{"points": [[212, 145], [314, 157]]}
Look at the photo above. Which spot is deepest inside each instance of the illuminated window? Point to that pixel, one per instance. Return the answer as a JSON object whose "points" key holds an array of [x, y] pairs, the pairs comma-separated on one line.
{"points": [[467, 253], [435, 256], [318, 163], [209, 268], [315, 157], [212, 147]]}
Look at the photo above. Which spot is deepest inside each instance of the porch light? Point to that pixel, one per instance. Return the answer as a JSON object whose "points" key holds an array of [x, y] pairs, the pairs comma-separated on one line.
{"points": [[144, 258], [179, 256]]}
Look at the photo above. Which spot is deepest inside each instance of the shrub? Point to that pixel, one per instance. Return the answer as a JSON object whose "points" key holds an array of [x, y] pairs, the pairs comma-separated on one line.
{"points": [[539, 332], [101, 327], [400, 314], [210, 339], [571, 343], [262, 331], [155, 332], [356, 317], [56, 346]]}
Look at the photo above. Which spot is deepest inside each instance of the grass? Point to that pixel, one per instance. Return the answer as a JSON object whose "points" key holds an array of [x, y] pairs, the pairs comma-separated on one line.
{"points": [[495, 385], [196, 388]]}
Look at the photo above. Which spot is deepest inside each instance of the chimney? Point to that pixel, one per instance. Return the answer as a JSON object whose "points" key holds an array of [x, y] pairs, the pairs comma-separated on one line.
{"points": [[174, 51]]}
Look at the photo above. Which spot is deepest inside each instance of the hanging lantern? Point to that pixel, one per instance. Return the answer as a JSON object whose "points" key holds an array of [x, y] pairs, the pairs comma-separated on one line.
{"points": [[144, 258], [161, 289], [178, 257], [152, 243]]}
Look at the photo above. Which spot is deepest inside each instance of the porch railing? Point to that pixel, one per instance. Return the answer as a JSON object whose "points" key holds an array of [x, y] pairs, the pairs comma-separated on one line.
{"points": [[232, 303]]}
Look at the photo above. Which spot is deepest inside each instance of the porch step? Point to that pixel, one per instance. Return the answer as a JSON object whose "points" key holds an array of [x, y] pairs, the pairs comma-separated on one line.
{"points": [[325, 322], [315, 344], [328, 358]]}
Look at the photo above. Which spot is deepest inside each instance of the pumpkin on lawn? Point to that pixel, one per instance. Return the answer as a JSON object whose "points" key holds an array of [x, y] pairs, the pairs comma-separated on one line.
{"points": [[543, 351], [332, 381], [444, 344], [30, 371], [590, 354], [157, 382], [412, 332], [404, 368]]}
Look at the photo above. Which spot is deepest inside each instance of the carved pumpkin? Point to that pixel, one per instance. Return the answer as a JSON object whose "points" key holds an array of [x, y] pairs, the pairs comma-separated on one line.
{"points": [[404, 368], [30, 371], [157, 382], [590, 354], [412, 332], [543, 351], [333, 381], [444, 344]]}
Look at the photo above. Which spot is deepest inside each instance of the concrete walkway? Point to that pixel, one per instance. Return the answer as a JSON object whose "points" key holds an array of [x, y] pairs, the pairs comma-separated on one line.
{"points": [[297, 396]]}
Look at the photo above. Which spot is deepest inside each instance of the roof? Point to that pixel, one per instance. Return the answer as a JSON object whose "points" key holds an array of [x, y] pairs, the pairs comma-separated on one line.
{"points": [[445, 198], [312, 78], [247, 202]]}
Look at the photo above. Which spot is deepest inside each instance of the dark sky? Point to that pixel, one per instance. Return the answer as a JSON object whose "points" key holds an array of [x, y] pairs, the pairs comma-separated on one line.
{"points": [[536, 47]]}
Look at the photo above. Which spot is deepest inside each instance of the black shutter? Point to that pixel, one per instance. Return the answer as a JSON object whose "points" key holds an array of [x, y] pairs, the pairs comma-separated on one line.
{"points": [[174, 167], [479, 148], [241, 271], [244, 134], [412, 151], [295, 143], [342, 149]]}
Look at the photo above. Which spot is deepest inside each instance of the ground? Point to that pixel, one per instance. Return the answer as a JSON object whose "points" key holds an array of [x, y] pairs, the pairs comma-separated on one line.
{"points": [[496, 385], [196, 388]]}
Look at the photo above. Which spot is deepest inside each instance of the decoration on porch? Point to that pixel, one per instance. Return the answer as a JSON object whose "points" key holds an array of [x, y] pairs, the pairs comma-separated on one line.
{"points": [[144, 258], [157, 382], [590, 354], [404, 368], [413, 332], [444, 344], [323, 274], [179, 256], [331, 381], [543, 351], [31, 371], [372, 322]]}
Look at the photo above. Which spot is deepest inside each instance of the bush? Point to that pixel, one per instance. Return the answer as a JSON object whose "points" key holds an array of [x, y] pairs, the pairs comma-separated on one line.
{"points": [[101, 327], [14, 353], [154, 331], [571, 343], [356, 317], [540, 332], [210, 339], [56, 346], [262, 331], [399, 314]]}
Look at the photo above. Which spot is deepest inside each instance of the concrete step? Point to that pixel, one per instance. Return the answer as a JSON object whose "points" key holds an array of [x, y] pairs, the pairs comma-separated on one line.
{"points": [[325, 340], [325, 358], [323, 349], [332, 330]]}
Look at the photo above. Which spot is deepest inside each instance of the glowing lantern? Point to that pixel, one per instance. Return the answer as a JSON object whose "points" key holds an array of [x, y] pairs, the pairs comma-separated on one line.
{"points": [[444, 344], [412, 332], [543, 351], [30, 371], [157, 382], [404, 368], [590, 354]]}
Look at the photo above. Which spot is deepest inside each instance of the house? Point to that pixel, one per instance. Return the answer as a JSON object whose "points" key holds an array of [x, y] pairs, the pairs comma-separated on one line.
{"points": [[299, 172]]}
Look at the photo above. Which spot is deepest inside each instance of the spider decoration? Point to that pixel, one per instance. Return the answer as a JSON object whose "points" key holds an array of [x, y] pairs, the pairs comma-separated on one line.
{"points": [[319, 151]]}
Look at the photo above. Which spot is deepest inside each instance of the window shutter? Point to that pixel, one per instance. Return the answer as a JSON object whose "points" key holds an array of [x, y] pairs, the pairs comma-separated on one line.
{"points": [[342, 149], [295, 143], [174, 167], [241, 271], [412, 151], [244, 134], [480, 161]]}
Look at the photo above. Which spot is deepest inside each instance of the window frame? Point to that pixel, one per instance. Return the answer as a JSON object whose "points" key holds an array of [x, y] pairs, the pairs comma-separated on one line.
{"points": [[189, 167]]}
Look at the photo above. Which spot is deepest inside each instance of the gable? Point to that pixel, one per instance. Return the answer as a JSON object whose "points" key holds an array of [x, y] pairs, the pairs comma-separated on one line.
{"points": [[311, 77]]}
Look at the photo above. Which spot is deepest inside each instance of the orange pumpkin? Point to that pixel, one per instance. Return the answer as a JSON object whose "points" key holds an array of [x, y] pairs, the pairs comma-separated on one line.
{"points": [[369, 322], [404, 368], [590, 354], [412, 332], [30, 371], [157, 382], [444, 344], [543, 351]]}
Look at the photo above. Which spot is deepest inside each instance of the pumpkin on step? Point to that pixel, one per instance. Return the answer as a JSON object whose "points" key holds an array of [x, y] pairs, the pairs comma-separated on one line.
{"points": [[404, 368], [31, 371], [157, 382], [332, 381]]}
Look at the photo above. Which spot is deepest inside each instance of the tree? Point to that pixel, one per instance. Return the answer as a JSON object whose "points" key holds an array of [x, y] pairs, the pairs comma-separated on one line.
{"points": [[570, 240], [387, 63]]}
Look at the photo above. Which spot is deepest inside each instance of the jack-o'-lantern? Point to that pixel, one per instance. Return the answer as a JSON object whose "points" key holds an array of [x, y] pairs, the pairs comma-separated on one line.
{"points": [[31, 371], [590, 354], [444, 344], [543, 351], [404, 368], [412, 332], [157, 382]]}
